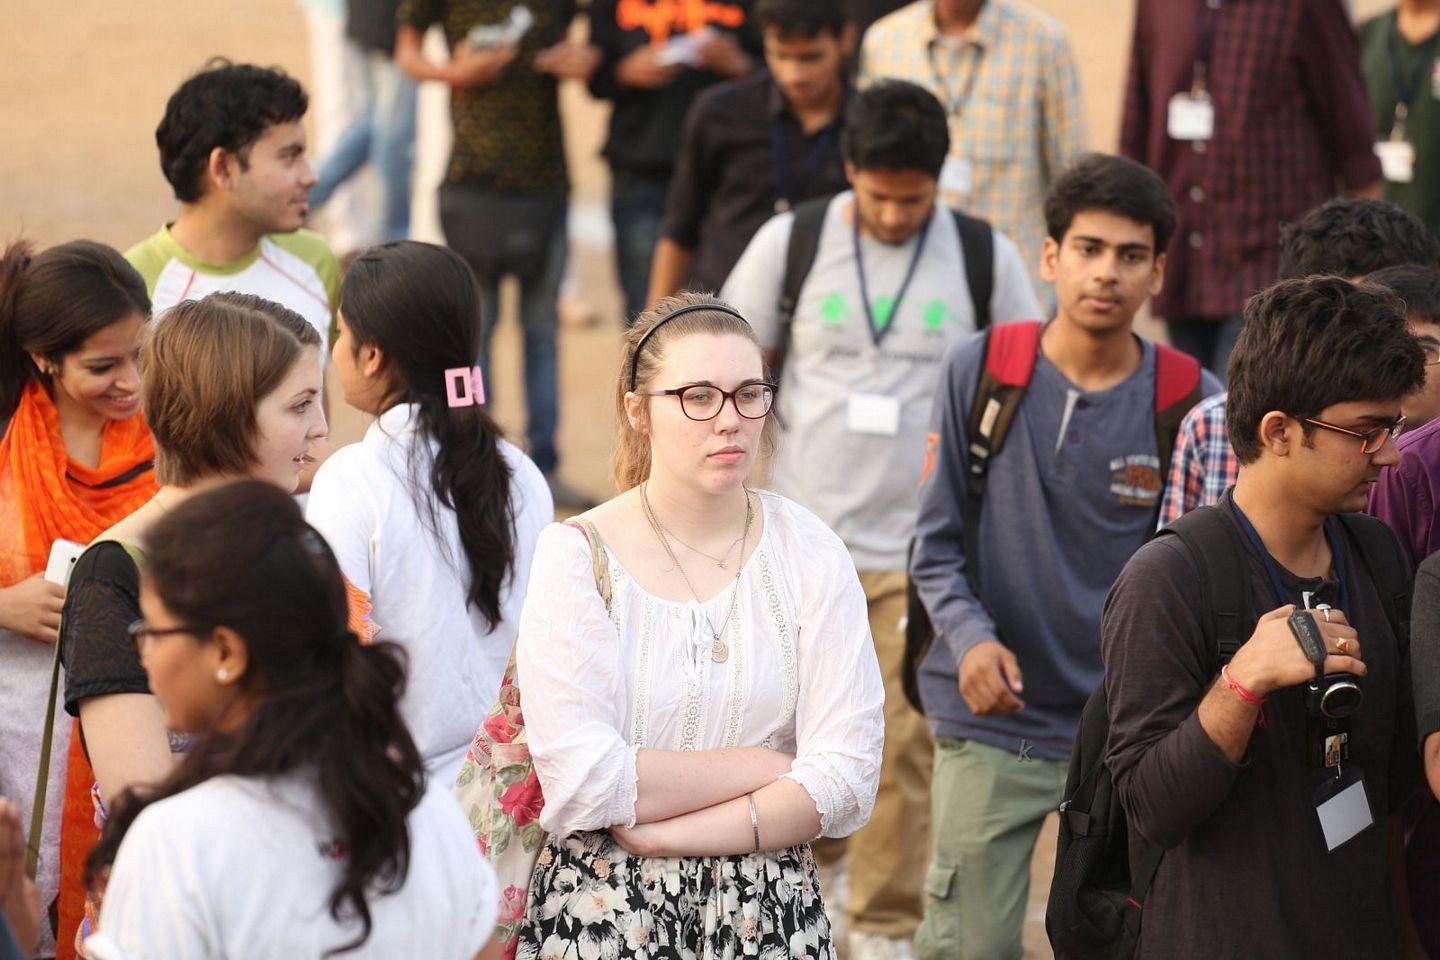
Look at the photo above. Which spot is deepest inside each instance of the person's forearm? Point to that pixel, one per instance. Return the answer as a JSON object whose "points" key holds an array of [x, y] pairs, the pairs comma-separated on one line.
{"points": [[410, 56], [1228, 720], [675, 782], [785, 814], [669, 268], [126, 741], [1184, 775]]}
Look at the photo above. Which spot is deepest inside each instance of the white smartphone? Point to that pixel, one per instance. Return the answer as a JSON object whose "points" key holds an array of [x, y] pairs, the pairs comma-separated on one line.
{"points": [[63, 554]]}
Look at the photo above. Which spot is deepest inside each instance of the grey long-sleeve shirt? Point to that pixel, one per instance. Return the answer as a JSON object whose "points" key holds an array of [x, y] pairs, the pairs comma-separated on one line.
{"points": [[1069, 498], [1245, 855]]}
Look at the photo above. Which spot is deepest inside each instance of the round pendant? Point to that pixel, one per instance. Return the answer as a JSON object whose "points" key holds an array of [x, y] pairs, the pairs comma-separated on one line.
{"points": [[719, 652]]}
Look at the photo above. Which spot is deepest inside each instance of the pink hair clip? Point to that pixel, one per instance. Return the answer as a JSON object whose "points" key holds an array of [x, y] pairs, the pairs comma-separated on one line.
{"points": [[464, 387]]}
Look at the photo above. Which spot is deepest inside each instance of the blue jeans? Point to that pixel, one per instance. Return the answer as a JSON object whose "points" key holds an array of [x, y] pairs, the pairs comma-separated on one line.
{"points": [[464, 216], [637, 207], [383, 133]]}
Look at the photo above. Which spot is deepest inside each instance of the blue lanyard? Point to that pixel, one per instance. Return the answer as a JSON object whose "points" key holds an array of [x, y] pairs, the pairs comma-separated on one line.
{"points": [[1405, 93], [877, 332], [1337, 558], [780, 151]]}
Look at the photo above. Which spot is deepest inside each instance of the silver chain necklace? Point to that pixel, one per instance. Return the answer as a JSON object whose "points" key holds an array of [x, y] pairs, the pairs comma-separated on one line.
{"points": [[719, 651]]}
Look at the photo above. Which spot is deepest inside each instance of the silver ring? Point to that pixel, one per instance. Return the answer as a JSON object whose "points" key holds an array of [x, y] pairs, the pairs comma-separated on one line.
{"points": [[1325, 609]]}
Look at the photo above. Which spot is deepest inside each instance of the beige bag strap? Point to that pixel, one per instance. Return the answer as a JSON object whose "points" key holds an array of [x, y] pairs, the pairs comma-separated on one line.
{"points": [[599, 562], [42, 780]]}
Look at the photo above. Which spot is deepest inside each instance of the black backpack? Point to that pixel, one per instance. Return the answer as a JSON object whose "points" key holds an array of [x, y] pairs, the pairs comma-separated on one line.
{"points": [[977, 246], [1097, 894]]}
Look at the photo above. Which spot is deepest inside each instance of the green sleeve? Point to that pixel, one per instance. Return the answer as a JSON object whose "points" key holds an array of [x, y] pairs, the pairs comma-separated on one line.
{"points": [[149, 259]]}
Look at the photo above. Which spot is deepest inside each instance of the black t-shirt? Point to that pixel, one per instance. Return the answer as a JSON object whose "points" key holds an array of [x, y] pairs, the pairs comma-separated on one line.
{"points": [[103, 599], [725, 183], [645, 125], [1246, 855]]}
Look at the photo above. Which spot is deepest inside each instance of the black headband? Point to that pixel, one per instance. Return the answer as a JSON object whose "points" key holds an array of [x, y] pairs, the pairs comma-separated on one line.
{"points": [[690, 308]]}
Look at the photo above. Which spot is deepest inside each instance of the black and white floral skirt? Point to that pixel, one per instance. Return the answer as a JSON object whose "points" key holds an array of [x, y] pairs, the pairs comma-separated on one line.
{"points": [[590, 900]]}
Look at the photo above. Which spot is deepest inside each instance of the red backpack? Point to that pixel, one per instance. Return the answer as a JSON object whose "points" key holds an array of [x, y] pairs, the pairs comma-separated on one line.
{"points": [[1010, 353]]}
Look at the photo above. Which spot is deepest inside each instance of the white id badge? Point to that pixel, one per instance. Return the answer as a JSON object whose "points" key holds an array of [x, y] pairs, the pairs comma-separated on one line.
{"points": [[873, 413], [1345, 814], [1191, 117], [1397, 160], [957, 176]]}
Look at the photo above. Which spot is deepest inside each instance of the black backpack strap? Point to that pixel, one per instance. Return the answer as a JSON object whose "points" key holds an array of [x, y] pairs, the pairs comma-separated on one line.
{"points": [[809, 217], [1388, 567], [977, 246], [1220, 561]]}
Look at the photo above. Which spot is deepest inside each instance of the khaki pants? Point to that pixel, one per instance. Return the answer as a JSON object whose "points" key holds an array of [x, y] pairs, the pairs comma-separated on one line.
{"points": [[888, 856], [989, 807]]}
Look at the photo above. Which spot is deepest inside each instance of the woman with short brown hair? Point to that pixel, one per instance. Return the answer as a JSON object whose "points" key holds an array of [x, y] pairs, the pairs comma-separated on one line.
{"points": [[231, 387]]}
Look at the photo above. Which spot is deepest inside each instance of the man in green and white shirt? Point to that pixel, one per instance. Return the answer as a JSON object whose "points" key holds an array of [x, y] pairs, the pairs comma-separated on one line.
{"points": [[232, 145]]}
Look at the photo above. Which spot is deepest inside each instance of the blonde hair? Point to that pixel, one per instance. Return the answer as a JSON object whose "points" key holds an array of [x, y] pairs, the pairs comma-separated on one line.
{"points": [[204, 367], [632, 450]]}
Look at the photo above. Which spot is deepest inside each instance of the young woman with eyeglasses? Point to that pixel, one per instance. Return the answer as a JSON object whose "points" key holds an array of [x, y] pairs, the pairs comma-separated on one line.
{"points": [[299, 824], [727, 710]]}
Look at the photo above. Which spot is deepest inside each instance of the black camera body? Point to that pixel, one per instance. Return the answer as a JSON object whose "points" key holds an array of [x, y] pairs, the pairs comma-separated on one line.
{"points": [[1330, 699], [1333, 696]]}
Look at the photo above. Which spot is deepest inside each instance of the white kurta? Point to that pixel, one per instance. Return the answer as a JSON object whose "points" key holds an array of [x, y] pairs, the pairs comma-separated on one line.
{"points": [[801, 675], [418, 584]]}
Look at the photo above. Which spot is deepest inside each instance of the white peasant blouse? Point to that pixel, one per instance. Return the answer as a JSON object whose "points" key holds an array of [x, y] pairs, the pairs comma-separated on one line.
{"points": [[801, 676]]}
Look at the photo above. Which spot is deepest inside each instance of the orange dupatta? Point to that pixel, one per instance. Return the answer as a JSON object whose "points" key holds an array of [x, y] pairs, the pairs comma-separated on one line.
{"points": [[46, 496]]}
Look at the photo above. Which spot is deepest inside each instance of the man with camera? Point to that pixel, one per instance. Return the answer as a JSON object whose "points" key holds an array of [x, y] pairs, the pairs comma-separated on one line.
{"points": [[1268, 769]]}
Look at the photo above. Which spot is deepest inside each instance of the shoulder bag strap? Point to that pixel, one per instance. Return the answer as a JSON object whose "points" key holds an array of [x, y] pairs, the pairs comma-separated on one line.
{"points": [[37, 809], [598, 561]]}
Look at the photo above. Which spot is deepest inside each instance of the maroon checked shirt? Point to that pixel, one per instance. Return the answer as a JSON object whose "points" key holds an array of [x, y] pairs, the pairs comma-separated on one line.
{"points": [[1292, 129]]}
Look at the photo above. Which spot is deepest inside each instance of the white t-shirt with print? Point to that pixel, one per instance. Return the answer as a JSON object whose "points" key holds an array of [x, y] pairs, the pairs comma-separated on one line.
{"points": [[864, 485], [242, 868], [361, 502]]}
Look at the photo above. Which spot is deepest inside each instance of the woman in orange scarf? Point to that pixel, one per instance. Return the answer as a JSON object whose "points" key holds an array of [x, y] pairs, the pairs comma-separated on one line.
{"points": [[75, 457]]}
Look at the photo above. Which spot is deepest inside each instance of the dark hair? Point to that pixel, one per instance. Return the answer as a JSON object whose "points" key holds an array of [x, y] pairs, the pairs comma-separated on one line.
{"points": [[1417, 286], [205, 365], [242, 556], [52, 303], [1308, 344], [420, 305], [895, 125], [1118, 185], [226, 105], [801, 18], [1352, 237]]}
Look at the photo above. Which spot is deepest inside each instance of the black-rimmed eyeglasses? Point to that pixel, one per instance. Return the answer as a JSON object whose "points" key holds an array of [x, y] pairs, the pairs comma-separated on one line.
{"points": [[1370, 440], [139, 632], [703, 401]]}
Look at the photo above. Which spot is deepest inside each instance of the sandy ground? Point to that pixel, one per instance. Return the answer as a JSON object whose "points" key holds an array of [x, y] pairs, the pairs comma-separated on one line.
{"points": [[84, 82]]}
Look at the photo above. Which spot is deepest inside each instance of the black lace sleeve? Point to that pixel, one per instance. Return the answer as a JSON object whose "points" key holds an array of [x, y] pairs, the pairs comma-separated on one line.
{"points": [[102, 600]]}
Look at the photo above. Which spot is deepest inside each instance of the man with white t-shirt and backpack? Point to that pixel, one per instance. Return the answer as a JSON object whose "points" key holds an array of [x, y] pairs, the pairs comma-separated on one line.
{"points": [[858, 297]]}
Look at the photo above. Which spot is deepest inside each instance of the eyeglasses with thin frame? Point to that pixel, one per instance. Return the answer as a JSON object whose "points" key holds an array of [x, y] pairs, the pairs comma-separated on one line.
{"points": [[704, 401], [1432, 352], [139, 631], [1370, 440]]}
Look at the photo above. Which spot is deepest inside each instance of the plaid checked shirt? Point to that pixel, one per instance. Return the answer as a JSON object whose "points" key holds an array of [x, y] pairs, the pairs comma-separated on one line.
{"points": [[1291, 117], [1203, 465], [1013, 96]]}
